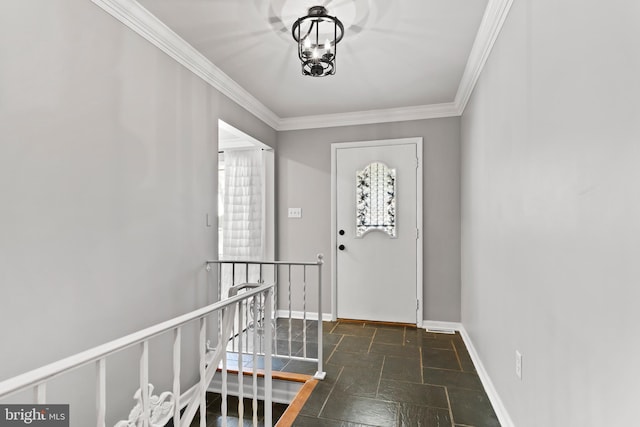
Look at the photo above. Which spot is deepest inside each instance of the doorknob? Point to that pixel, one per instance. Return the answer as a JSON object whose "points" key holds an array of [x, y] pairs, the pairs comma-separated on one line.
{"points": [[341, 247], [341, 232]]}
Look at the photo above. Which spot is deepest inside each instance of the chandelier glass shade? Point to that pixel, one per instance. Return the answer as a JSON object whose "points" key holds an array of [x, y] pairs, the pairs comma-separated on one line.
{"points": [[317, 35]]}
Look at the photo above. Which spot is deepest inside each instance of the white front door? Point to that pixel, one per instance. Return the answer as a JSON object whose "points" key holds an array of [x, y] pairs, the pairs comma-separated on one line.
{"points": [[376, 230]]}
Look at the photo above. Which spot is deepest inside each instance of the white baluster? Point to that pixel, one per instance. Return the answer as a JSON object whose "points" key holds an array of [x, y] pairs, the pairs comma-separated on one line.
{"points": [[203, 376], [275, 302], [177, 342], [304, 311], [40, 393], [219, 297], [233, 283], [246, 324], [223, 341], [144, 383], [268, 309], [101, 392], [240, 376], [320, 374], [290, 312], [256, 298]]}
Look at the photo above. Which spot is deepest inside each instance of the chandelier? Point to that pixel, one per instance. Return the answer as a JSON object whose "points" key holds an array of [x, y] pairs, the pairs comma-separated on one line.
{"points": [[317, 35]]}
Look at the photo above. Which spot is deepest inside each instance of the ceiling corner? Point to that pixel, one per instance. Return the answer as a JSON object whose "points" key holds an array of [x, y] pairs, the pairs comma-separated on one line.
{"points": [[490, 27], [148, 26]]}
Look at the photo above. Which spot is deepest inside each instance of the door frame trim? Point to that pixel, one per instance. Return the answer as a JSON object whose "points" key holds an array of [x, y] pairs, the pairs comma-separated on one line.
{"points": [[417, 141]]}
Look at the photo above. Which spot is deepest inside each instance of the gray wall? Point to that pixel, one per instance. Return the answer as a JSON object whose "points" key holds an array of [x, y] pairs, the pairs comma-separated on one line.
{"points": [[108, 166], [304, 180], [551, 213]]}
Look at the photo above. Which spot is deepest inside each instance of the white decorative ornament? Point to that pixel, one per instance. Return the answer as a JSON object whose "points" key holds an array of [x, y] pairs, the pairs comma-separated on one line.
{"points": [[160, 410]]}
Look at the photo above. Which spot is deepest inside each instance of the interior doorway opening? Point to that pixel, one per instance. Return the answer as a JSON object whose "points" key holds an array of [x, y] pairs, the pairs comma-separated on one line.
{"points": [[246, 178]]}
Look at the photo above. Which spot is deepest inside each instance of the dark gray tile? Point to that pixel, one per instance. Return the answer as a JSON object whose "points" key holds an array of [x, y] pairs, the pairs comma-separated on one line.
{"points": [[413, 336], [327, 327], [423, 416], [360, 410], [370, 360], [421, 338], [331, 338], [383, 326], [301, 367], [284, 329], [389, 336], [333, 373], [436, 344], [449, 378], [442, 359], [284, 349], [472, 407], [310, 335], [353, 329], [402, 369], [295, 323], [312, 350], [408, 351], [327, 349], [354, 344], [465, 358], [358, 382], [315, 402], [417, 394], [305, 421]]}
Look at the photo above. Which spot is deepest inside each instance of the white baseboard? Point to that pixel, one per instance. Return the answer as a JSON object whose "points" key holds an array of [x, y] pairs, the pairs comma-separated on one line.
{"points": [[299, 315], [498, 406], [496, 402]]}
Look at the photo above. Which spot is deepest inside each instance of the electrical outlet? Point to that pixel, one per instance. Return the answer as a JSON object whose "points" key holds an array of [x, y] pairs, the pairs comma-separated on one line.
{"points": [[518, 365], [295, 213]]}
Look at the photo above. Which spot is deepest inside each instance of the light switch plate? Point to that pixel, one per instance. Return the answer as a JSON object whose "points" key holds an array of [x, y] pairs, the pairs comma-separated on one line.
{"points": [[295, 212]]}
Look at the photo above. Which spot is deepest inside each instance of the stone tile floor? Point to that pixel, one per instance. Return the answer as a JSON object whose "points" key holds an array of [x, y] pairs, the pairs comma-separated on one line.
{"points": [[380, 375]]}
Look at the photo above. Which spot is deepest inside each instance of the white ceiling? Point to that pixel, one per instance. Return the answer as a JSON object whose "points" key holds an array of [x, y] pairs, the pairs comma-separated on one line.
{"points": [[395, 53]]}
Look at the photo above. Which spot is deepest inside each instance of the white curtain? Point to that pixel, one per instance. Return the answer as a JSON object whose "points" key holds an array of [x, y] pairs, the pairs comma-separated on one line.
{"points": [[243, 225]]}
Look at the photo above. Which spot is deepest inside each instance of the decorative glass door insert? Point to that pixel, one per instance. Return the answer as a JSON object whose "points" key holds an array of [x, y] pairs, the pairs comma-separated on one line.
{"points": [[376, 199]]}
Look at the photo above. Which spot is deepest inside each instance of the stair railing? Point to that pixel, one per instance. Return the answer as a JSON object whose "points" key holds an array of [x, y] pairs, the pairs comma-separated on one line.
{"points": [[292, 280], [152, 411]]}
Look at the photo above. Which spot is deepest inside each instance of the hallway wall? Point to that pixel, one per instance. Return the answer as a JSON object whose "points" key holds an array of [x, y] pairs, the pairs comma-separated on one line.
{"points": [[108, 167], [304, 180], [551, 213]]}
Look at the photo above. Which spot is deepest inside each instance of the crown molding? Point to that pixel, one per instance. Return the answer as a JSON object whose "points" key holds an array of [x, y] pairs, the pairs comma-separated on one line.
{"points": [[136, 17], [147, 25], [490, 27], [401, 114]]}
